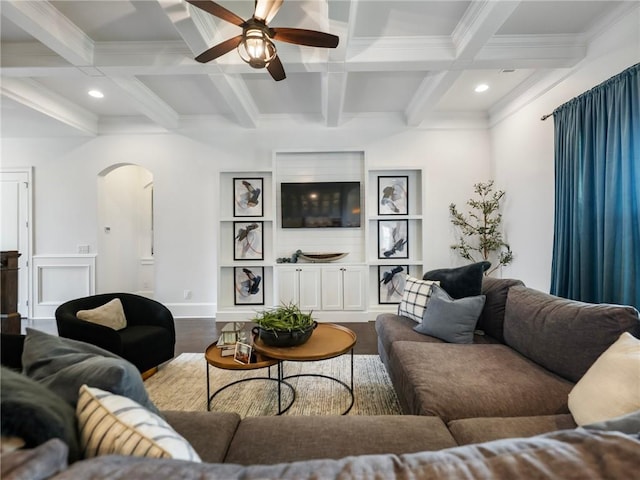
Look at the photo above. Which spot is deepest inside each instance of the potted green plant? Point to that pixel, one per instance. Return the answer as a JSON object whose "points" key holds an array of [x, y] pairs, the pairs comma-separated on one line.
{"points": [[284, 326]]}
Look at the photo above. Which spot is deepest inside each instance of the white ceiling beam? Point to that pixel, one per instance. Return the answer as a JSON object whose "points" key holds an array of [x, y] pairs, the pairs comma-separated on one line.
{"points": [[33, 95], [199, 31], [428, 95], [45, 23], [478, 25], [334, 88], [147, 102]]}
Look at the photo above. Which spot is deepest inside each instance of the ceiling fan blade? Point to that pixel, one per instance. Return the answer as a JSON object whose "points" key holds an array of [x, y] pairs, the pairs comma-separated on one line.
{"points": [[219, 49], [300, 36], [276, 69], [267, 9], [217, 10]]}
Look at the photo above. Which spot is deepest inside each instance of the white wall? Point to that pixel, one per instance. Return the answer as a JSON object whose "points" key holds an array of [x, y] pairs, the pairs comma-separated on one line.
{"points": [[185, 170], [523, 155]]}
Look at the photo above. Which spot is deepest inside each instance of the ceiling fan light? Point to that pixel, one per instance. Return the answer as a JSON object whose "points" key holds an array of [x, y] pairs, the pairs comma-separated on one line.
{"points": [[256, 48]]}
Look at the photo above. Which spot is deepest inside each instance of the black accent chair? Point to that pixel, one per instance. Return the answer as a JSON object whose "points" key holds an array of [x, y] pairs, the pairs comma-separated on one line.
{"points": [[147, 341]]}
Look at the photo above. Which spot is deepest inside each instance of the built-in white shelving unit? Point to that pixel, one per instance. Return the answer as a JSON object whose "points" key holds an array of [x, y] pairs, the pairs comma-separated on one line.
{"points": [[345, 290]]}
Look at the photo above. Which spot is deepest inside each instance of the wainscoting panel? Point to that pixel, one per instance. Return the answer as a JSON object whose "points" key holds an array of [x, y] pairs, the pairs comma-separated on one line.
{"points": [[58, 278]]}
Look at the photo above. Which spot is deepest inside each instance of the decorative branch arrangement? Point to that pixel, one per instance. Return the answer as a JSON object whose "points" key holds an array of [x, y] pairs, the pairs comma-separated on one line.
{"points": [[480, 237]]}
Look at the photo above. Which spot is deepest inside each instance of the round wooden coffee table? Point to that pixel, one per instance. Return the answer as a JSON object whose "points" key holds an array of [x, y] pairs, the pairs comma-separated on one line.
{"points": [[327, 341], [215, 359]]}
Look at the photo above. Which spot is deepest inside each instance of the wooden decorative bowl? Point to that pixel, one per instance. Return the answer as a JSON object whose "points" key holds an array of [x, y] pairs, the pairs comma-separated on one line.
{"points": [[322, 257]]}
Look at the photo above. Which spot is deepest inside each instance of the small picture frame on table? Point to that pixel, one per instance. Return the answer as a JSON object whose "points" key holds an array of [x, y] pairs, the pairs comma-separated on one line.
{"points": [[248, 239], [391, 279], [393, 239], [393, 195], [248, 285], [247, 197], [242, 353]]}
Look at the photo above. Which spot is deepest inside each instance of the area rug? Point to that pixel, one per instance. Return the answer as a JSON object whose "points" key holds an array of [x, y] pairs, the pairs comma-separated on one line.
{"points": [[182, 385]]}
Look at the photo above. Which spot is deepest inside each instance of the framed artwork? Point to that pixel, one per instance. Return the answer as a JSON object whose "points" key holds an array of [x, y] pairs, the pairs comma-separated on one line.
{"points": [[393, 195], [393, 239], [247, 197], [391, 279], [248, 286], [242, 353], [248, 238]]}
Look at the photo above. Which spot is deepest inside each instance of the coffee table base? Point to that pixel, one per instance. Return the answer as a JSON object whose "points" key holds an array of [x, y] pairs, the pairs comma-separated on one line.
{"points": [[282, 378], [211, 396]]}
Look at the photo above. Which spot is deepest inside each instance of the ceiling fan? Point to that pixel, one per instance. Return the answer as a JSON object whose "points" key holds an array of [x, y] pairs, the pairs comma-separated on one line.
{"points": [[255, 44]]}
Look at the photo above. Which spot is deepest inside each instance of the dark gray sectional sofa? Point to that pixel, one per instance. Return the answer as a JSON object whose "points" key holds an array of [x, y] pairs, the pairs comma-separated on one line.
{"points": [[515, 379], [490, 410]]}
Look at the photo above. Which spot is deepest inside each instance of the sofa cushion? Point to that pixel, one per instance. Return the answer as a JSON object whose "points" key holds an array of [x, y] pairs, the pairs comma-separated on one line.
{"points": [[459, 282], [415, 296], [311, 437], [449, 319], [455, 381], [209, 433], [115, 425], [478, 430], [574, 454], [564, 336], [491, 319], [611, 386], [34, 413], [111, 315], [64, 365]]}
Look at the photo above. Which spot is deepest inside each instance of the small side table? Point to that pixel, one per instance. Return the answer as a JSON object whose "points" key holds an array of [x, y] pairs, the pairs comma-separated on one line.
{"points": [[215, 359]]}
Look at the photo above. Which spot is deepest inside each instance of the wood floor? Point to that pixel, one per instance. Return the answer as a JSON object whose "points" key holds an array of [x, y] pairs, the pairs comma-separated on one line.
{"points": [[196, 334]]}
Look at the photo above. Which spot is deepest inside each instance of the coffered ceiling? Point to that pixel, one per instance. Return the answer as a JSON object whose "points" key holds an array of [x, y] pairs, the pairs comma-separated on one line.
{"points": [[408, 61]]}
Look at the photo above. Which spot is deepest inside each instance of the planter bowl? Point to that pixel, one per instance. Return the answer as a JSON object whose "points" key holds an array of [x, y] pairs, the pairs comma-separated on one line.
{"points": [[284, 338]]}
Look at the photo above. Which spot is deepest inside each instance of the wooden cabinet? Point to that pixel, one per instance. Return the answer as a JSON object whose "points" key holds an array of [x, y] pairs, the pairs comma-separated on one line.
{"points": [[343, 288], [300, 286], [10, 321]]}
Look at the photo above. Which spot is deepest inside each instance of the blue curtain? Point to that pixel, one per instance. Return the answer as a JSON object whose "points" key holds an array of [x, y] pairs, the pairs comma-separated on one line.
{"points": [[596, 247]]}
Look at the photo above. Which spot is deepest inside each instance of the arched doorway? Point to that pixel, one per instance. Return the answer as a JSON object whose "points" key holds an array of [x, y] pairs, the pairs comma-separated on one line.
{"points": [[125, 230]]}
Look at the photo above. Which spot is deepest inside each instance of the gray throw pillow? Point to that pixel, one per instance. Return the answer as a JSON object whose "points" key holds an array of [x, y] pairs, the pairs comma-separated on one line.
{"points": [[35, 414], [449, 319], [64, 365], [629, 424]]}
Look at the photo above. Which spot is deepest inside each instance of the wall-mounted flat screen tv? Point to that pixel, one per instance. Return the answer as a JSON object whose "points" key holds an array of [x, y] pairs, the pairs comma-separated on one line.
{"points": [[320, 204]]}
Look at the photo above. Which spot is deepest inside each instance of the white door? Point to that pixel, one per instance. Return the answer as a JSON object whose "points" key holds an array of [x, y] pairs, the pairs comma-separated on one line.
{"points": [[288, 285], [15, 227]]}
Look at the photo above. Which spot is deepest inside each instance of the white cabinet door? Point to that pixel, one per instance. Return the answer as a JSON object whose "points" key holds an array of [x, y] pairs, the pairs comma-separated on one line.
{"points": [[343, 288], [309, 297], [353, 283], [300, 286], [332, 288], [288, 285]]}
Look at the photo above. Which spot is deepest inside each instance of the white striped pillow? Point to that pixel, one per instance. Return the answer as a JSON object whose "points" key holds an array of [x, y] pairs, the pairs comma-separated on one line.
{"points": [[114, 425], [415, 297]]}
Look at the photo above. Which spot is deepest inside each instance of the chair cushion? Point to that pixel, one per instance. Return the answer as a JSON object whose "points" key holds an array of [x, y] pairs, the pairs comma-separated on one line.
{"points": [[111, 315], [460, 282], [64, 365]]}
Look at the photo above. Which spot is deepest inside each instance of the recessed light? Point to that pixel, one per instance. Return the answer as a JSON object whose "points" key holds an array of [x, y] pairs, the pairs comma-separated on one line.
{"points": [[483, 87], [96, 93]]}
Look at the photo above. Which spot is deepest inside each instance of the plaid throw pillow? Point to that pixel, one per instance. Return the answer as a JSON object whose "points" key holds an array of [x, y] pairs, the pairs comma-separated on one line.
{"points": [[415, 297]]}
